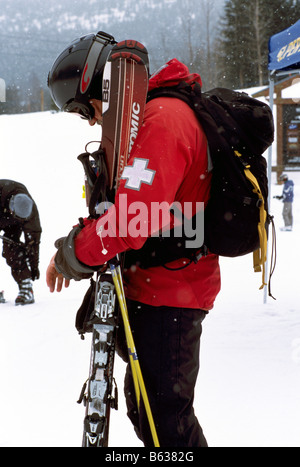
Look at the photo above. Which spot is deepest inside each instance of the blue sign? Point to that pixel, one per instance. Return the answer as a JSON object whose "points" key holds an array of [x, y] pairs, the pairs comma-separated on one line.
{"points": [[284, 49]]}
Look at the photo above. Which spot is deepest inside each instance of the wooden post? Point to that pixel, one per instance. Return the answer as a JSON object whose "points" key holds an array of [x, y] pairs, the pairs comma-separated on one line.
{"points": [[42, 99]]}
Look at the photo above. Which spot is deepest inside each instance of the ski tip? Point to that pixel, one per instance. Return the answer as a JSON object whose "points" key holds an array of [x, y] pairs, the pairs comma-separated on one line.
{"points": [[131, 44], [130, 49]]}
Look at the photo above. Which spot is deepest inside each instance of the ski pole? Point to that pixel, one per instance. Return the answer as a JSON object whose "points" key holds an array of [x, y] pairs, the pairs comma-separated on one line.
{"points": [[135, 365], [132, 349], [12, 242]]}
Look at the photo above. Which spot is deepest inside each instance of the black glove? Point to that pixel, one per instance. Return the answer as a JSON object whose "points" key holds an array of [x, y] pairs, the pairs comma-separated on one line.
{"points": [[66, 262], [278, 197], [35, 273]]}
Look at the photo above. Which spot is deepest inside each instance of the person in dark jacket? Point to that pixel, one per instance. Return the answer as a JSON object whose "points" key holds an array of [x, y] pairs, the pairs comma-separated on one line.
{"points": [[19, 215]]}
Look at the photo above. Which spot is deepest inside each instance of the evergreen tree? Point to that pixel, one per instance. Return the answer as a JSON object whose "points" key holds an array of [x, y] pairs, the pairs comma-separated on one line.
{"points": [[13, 103], [245, 31], [234, 60]]}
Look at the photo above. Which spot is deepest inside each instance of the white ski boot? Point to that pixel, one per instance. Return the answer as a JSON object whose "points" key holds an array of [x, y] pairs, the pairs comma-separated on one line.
{"points": [[25, 296]]}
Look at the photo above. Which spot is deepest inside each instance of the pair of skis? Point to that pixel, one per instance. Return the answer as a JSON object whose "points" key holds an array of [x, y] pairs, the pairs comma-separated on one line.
{"points": [[125, 84]]}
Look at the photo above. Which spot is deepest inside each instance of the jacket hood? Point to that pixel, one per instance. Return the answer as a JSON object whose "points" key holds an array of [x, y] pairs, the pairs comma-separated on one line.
{"points": [[171, 74]]}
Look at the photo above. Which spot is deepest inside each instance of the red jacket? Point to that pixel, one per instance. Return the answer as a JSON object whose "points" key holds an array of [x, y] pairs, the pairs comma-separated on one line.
{"points": [[168, 163]]}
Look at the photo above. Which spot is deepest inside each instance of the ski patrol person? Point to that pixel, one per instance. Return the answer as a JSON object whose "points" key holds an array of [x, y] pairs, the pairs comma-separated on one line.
{"points": [[166, 303]]}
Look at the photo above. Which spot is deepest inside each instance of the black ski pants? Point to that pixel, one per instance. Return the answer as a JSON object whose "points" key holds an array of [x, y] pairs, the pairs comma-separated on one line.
{"points": [[15, 256], [167, 341]]}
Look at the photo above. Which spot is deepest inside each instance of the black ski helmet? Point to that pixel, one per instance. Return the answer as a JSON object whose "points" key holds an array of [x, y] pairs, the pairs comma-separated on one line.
{"points": [[76, 75]]}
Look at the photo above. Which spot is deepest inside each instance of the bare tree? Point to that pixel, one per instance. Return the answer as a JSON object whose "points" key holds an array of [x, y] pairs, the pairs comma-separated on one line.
{"points": [[199, 26]]}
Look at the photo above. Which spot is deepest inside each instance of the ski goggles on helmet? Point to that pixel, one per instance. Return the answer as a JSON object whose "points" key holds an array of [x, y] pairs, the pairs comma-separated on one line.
{"points": [[84, 110]]}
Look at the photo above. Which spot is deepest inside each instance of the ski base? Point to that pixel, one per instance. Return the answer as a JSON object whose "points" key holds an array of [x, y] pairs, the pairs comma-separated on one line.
{"points": [[101, 396]]}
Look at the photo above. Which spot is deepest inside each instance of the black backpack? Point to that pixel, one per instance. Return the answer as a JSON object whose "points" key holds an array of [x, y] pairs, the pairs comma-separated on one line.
{"points": [[238, 129]]}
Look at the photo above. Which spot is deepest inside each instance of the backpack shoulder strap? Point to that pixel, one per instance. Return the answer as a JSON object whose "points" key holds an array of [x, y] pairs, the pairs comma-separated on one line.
{"points": [[181, 91], [193, 96]]}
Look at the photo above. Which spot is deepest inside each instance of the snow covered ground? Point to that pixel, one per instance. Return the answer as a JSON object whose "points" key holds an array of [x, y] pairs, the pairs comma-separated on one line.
{"points": [[248, 391]]}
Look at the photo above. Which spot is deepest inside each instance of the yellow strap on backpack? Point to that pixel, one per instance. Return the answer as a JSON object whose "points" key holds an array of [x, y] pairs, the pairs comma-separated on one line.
{"points": [[259, 255]]}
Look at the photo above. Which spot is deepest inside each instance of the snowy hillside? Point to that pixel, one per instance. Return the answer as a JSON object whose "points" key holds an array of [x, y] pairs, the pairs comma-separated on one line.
{"points": [[34, 32], [248, 389]]}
